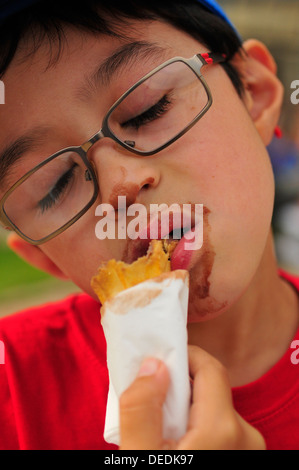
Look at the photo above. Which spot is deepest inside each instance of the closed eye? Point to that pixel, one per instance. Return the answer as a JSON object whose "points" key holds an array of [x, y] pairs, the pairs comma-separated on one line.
{"points": [[151, 114], [57, 190]]}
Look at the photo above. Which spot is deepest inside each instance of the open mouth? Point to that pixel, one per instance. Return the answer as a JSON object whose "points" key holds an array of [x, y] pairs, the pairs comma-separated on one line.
{"points": [[140, 247], [177, 233], [176, 227]]}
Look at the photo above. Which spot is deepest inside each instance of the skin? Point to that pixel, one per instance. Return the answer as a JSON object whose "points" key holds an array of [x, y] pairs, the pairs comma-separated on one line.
{"points": [[222, 163]]}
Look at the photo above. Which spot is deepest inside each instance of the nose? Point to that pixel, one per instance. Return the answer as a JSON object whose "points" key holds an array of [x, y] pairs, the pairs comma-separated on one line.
{"points": [[121, 173]]}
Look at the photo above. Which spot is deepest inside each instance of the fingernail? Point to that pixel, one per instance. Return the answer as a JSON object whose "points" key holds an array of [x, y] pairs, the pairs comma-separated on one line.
{"points": [[149, 367]]}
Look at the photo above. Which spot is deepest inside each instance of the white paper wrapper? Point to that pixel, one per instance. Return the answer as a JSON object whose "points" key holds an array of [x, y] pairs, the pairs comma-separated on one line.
{"points": [[149, 320]]}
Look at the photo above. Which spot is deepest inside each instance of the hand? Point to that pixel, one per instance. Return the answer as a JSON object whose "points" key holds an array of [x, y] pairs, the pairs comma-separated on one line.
{"points": [[214, 424]]}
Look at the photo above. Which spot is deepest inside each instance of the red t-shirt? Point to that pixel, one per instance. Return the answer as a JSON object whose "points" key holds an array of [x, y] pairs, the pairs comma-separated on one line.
{"points": [[54, 383]]}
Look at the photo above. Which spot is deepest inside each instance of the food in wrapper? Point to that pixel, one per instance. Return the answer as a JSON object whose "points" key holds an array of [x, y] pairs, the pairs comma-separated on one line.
{"points": [[147, 320], [115, 276]]}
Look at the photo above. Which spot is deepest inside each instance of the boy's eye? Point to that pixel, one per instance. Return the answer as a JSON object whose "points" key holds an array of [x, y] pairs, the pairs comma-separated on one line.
{"points": [[151, 114], [58, 189]]}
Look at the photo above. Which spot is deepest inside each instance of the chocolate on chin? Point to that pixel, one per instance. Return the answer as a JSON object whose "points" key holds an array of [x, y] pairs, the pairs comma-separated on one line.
{"points": [[114, 277]]}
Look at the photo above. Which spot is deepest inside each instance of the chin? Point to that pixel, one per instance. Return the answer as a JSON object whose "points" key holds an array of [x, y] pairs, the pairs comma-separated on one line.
{"points": [[201, 310]]}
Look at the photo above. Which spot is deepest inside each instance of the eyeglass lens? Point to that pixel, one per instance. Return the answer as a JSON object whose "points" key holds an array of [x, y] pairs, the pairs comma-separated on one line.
{"points": [[51, 196], [160, 108]]}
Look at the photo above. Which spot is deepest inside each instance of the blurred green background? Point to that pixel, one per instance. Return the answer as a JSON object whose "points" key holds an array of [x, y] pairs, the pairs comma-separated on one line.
{"points": [[276, 23], [14, 272]]}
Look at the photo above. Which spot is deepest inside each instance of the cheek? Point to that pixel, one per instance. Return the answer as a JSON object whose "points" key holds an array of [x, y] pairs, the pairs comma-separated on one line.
{"points": [[244, 190], [233, 177], [74, 260], [234, 180], [78, 253]]}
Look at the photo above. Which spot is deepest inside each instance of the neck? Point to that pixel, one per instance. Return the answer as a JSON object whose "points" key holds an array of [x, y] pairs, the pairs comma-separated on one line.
{"points": [[252, 335]]}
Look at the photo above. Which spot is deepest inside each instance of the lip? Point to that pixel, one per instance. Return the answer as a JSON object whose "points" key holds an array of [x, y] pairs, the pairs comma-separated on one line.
{"points": [[161, 227], [139, 246]]}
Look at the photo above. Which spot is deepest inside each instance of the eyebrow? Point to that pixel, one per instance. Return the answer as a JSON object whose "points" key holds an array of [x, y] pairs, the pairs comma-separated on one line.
{"points": [[23, 144], [127, 55]]}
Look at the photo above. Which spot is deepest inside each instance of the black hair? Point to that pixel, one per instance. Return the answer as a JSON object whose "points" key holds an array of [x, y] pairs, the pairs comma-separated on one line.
{"points": [[47, 19]]}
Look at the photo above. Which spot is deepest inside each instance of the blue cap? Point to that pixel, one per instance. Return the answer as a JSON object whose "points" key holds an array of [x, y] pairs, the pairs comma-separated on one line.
{"points": [[9, 7], [215, 8]]}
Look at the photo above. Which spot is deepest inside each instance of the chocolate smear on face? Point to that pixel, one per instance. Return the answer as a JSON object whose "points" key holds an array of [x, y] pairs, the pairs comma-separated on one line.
{"points": [[200, 302], [204, 268], [129, 190]]}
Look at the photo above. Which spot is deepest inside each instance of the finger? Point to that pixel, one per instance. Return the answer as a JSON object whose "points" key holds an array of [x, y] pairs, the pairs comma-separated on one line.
{"points": [[252, 439], [210, 378], [213, 422], [212, 396], [141, 415]]}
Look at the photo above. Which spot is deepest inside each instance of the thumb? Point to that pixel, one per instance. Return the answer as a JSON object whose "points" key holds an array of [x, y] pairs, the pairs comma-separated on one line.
{"points": [[141, 415]]}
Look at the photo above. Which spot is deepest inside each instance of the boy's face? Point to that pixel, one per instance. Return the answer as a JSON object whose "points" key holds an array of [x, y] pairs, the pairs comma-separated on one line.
{"points": [[220, 163]]}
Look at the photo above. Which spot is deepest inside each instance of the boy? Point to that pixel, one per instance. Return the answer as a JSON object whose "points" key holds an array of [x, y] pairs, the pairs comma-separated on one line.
{"points": [[64, 66]]}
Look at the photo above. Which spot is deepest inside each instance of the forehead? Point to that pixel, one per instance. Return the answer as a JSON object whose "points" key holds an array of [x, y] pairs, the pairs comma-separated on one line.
{"points": [[52, 65]]}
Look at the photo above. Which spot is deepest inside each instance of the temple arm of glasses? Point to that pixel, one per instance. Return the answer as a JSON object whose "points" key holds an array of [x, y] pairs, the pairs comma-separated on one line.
{"points": [[212, 58]]}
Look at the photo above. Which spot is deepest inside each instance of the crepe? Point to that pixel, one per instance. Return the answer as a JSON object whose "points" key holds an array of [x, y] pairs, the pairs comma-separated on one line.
{"points": [[147, 319], [115, 276]]}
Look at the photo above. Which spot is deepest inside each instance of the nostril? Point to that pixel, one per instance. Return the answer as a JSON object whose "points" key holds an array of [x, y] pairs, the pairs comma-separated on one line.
{"points": [[147, 183]]}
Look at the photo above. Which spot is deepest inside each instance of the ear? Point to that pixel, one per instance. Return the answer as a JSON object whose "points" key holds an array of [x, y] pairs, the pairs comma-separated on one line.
{"points": [[34, 256], [264, 91]]}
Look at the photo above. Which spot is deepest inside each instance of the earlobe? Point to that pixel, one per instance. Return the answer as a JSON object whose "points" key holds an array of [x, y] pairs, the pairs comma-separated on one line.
{"points": [[263, 90], [34, 256]]}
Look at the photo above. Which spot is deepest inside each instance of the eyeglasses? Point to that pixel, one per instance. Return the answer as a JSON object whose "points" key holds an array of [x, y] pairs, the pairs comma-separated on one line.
{"points": [[154, 113]]}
